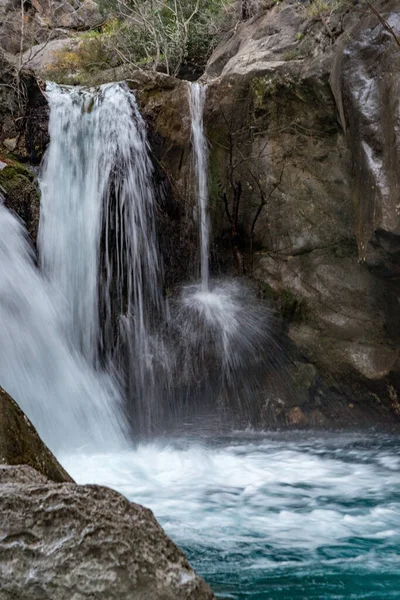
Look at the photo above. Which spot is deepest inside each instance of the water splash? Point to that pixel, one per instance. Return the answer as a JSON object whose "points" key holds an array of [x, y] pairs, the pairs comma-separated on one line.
{"points": [[305, 516], [97, 235], [69, 403], [197, 95], [225, 330]]}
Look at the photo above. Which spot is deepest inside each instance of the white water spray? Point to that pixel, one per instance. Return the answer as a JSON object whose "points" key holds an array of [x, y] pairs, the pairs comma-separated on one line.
{"points": [[71, 405], [225, 329]]}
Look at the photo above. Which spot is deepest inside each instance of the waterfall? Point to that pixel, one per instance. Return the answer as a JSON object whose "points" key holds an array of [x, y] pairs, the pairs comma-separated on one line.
{"points": [[197, 93], [69, 403], [88, 340], [223, 328], [97, 234]]}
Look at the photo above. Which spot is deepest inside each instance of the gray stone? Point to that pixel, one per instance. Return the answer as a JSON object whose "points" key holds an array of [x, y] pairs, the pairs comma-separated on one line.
{"points": [[40, 57], [67, 541]]}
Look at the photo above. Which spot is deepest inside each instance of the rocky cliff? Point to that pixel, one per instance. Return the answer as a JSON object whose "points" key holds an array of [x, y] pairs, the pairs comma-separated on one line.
{"points": [[303, 121]]}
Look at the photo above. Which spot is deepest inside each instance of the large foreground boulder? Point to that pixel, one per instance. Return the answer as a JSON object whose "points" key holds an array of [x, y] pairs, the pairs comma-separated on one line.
{"points": [[20, 443], [64, 541]]}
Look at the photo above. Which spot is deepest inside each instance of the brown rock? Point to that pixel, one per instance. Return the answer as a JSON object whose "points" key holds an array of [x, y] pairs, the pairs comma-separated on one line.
{"points": [[296, 417], [20, 443], [271, 112]]}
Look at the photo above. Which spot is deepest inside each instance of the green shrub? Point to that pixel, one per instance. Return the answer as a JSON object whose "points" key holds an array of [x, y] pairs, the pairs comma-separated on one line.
{"points": [[164, 35]]}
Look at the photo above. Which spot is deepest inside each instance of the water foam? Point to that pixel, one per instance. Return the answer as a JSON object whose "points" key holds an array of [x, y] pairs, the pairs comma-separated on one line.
{"points": [[281, 517]]}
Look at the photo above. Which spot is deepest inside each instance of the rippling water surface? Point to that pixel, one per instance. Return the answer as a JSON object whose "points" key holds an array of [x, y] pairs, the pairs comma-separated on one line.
{"points": [[271, 517]]}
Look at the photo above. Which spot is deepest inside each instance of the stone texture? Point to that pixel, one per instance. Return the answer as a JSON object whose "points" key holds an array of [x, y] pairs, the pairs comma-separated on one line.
{"points": [[44, 22], [297, 418], [289, 149], [367, 89], [40, 57], [20, 443], [8, 99], [75, 14], [21, 193], [67, 541], [23, 113]]}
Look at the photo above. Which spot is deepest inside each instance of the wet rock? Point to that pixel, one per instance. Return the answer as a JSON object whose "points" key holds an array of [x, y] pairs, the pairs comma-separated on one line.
{"points": [[367, 88], [164, 103], [272, 114], [303, 379], [21, 194], [20, 444], [67, 541], [296, 417], [317, 419]]}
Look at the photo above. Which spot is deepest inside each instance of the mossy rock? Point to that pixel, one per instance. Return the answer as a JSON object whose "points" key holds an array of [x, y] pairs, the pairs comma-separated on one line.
{"points": [[20, 443], [21, 194], [291, 308]]}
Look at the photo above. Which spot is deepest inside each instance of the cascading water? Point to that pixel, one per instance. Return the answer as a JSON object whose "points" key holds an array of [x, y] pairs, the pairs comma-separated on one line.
{"points": [[97, 234], [71, 405], [224, 328], [197, 96]]}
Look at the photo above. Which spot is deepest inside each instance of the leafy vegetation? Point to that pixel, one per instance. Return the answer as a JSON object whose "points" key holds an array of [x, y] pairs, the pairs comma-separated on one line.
{"points": [[173, 36]]}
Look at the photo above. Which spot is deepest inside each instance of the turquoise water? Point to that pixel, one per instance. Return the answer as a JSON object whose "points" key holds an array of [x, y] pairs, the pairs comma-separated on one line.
{"points": [[272, 517]]}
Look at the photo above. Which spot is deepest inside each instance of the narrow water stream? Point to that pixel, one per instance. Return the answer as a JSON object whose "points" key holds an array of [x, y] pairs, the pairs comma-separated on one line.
{"points": [[277, 517]]}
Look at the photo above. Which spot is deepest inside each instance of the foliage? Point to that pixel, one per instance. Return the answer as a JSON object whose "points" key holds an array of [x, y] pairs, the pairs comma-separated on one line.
{"points": [[168, 34], [165, 35], [320, 9]]}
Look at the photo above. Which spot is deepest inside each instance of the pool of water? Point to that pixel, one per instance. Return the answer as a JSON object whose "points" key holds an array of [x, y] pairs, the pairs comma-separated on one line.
{"points": [[271, 517]]}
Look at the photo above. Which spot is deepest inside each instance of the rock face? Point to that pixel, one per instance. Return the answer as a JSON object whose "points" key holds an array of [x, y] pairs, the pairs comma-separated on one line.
{"points": [[20, 194], [20, 443], [44, 21], [303, 117], [23, 114], [367, 88], [67, 541]]}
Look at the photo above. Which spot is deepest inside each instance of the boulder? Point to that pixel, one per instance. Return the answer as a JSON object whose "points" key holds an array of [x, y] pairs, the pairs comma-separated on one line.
{"points": [[68, 541], [44, 22], [20, 443], [40, 57], [75, 14]]}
